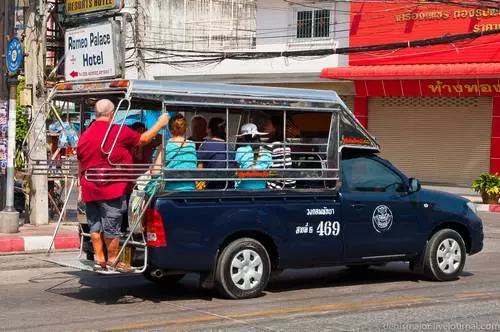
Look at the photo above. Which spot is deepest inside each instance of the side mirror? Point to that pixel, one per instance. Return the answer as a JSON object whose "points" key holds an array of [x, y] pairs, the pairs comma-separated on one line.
{"points": [[414, 185]]}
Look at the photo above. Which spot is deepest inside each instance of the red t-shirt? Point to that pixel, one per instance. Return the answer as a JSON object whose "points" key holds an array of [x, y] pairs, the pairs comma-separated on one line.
{"points": [[90, 156]]}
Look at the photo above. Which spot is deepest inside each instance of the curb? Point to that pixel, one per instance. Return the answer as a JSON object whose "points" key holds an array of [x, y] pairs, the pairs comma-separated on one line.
{"points": [[488, 207], [28, 244]]}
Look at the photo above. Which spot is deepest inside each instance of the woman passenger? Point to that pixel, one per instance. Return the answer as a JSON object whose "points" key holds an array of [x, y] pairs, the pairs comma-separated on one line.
{"points": [[251, 155], [198, 130], [179, 153]]}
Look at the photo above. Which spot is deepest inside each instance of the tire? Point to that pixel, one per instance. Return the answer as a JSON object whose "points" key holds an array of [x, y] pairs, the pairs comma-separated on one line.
{"points": [[243, 269], [165, 281], [19, 202], [444, 256]]}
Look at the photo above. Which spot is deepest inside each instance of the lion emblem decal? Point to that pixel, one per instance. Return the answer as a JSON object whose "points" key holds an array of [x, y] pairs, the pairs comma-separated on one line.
{"points": [[382, 219]]}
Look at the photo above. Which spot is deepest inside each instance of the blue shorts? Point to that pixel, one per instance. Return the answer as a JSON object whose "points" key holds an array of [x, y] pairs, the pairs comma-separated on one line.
{"points": [[106, 216]]}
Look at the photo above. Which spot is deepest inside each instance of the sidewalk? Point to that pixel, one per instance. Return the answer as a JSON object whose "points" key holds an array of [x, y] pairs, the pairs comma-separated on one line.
{"points": [[469, 194]]}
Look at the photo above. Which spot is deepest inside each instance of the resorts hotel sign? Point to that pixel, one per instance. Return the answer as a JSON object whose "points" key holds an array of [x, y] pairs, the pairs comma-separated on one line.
{"points": [[74, 7]]}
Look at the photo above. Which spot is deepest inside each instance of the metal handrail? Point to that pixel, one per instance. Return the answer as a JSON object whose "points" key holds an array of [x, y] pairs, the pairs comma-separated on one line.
{"points": [[108, 131], [61, 216], [131, 231], [32, 126]]}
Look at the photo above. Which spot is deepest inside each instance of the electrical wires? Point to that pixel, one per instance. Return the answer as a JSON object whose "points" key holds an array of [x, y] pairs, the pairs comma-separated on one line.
{"points": [[201, 43]]}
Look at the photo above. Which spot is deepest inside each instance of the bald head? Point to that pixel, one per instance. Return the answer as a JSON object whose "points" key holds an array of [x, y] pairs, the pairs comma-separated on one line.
{"points": [[104, 109]]}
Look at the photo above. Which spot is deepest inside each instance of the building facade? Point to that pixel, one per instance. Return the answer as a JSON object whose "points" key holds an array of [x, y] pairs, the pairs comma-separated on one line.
{"points": [[174, 39], [435, 109]]}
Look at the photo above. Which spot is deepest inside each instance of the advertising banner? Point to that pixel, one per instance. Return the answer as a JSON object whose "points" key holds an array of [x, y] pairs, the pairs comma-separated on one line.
{"points": [[3, 135], [408, 20]]}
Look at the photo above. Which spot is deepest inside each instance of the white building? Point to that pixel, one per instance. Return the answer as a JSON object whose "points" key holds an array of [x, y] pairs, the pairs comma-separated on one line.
{"points": [[169, 35]]}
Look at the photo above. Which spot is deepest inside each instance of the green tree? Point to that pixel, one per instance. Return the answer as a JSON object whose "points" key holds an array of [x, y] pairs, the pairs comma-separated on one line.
{"points": [[22, 125]]}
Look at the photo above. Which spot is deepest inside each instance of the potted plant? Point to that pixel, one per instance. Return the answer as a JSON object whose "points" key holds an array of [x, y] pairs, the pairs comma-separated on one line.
{"points": [[488, 185]]}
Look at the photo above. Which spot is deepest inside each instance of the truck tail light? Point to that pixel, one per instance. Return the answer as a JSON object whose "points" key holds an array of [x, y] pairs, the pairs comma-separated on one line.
{"points": [[155, 230], [119, 84], [63, 86]]}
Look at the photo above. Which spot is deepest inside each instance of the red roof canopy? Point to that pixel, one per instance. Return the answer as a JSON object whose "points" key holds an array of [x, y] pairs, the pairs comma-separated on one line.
{"points": [[387, 72]]}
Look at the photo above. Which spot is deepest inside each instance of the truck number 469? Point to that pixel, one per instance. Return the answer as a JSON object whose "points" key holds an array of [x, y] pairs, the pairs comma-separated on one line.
{"points": [[328, 228]]}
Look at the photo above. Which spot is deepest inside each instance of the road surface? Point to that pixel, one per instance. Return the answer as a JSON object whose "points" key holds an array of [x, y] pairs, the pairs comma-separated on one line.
{"points": [[38, 296]]}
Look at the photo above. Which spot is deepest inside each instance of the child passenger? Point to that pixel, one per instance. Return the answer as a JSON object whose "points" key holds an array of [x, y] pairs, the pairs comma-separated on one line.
{"points": [[251, 155]]}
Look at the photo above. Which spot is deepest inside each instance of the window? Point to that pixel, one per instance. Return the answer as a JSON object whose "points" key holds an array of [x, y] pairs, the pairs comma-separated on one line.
{"points": [[313, 24], [361, 173]]}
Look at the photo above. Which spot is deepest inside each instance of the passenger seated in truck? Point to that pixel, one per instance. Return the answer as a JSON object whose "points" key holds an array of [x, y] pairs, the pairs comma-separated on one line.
{"points": [[215, 152], [280, 153], [251, 155], [180, 153], [198, 130]]}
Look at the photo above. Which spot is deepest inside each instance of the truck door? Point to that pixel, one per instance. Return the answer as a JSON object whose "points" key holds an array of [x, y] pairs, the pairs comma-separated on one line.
{"points": [[315, 231], [381, 219]]}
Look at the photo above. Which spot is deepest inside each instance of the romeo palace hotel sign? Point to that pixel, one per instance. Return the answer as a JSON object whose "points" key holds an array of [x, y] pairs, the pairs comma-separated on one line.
{"points": [[91, 52]]}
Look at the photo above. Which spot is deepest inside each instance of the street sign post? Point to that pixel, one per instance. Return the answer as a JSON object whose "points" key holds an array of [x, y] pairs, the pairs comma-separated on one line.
{"points": [[14, 55], [9, 217], [92, 52]]}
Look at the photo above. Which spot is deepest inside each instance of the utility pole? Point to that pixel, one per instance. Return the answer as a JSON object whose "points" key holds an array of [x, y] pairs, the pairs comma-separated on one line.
{"points": [[35, 70], [140, 27], [9, 217], [4, 94]]}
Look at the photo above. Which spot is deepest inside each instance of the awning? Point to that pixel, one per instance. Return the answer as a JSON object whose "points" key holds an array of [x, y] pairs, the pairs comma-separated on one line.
{"points": [[388, 72]]}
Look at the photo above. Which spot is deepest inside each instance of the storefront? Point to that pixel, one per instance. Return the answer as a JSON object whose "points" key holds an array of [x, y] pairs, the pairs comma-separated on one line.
{"points": [[435, 110]]}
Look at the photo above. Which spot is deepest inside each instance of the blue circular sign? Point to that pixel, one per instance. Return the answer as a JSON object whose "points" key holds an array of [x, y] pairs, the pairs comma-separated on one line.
{"points": [[14, 55]]}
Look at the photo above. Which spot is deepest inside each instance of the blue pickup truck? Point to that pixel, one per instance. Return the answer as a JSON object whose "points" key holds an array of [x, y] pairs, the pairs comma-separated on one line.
{"points": [[348, 206], [241, 238]]}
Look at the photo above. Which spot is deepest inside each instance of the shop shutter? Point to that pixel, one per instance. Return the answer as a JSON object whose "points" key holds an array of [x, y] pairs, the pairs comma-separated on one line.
{"points": [[439, 140]]}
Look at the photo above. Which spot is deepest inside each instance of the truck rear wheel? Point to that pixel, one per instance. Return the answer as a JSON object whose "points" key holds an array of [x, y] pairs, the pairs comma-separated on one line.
{"points": [[445, 255], [243, 269]]}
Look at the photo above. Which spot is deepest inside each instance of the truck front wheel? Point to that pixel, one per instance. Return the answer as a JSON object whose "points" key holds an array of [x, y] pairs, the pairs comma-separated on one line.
{"points": [[243, 269], [445, 255]]}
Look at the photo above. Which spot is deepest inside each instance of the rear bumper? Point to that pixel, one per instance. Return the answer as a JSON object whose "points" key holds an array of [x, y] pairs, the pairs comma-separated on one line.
{"points": [[183, 259]]}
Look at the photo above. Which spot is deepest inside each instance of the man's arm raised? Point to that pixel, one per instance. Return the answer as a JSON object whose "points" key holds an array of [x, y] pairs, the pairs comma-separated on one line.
{"points": [[148, 136]]}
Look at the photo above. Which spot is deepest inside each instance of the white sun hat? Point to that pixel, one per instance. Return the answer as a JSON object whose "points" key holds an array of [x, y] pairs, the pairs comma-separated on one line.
{"points": [[250, 129]]}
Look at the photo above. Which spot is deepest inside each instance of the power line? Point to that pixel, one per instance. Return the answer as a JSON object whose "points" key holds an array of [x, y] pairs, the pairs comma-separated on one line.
{"points": [[213, 56], [202, 40]]}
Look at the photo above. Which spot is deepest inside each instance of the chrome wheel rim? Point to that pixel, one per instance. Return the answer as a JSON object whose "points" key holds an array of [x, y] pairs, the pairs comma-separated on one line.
{"points": [[246, 269], [449, 256]]}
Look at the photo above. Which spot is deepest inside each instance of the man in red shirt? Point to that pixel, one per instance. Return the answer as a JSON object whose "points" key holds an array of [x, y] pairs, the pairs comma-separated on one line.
{"points": [[105, 196]]}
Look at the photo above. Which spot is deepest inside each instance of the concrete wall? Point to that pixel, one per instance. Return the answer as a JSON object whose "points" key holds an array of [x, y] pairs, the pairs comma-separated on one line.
{"points": [[192, 25]]}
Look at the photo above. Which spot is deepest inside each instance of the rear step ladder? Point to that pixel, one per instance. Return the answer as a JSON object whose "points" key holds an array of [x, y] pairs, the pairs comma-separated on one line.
{"points": [[137, 209]]}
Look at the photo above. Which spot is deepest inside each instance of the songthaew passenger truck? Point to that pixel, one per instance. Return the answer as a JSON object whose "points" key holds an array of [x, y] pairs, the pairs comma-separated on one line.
{"points": [[348, 205]]}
